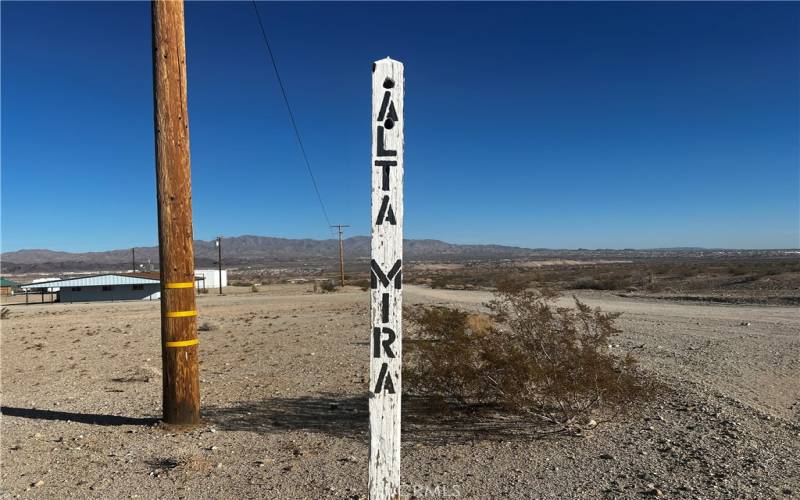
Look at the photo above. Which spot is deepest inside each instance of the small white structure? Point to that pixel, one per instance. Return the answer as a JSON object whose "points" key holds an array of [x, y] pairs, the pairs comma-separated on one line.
{"points": [[211, 278], [43, 280], [111, 287]]}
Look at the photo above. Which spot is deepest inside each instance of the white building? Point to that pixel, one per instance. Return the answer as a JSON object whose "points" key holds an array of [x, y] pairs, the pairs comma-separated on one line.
{"points": [[43, 280], [211, 278], [139, 286]]}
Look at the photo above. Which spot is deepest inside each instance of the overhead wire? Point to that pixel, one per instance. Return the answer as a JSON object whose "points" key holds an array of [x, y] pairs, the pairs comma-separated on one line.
{"points": [[291, 116]]}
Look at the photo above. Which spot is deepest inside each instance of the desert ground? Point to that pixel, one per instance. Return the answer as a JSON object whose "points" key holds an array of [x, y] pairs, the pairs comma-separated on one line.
{"points": [[285, 413]]}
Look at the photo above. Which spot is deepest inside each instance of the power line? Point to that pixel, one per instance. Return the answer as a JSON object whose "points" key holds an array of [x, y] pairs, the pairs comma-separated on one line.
{"points": [[291, 115]]}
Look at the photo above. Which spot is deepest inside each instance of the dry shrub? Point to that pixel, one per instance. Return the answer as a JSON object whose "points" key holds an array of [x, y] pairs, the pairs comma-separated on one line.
{"points": [[206, 327], [529, 357], [362, 283], [328, 286], [439, 282], [479, 324], [324, 286], [614, 281]]}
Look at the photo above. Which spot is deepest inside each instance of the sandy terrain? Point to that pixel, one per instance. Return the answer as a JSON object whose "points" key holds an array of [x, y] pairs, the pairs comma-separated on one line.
{"points": [[283, 382]]}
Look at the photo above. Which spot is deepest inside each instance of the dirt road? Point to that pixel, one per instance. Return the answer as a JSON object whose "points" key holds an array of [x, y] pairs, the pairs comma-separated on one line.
{"points": [[750, 353], [283, 383]]}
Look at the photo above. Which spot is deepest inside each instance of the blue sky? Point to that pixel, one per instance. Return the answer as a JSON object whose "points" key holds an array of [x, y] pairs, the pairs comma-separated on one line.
{"points": [[540, 125]]}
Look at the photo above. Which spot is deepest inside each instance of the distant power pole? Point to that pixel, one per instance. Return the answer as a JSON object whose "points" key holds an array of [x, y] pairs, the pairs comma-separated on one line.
{"points": [[219, 261], [341, 249], [133, 260], [181, 386]]}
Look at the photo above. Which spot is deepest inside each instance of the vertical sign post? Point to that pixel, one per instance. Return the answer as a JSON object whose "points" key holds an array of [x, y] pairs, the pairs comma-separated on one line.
{"points": [[386, 305], [181, 388]]}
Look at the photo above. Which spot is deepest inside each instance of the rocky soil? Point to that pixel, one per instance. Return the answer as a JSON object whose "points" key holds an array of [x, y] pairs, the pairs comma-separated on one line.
{"points": [[283, 381]]}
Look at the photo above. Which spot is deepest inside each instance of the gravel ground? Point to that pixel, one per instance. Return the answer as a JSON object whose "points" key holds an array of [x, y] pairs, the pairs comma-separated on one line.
{"points": [[283, 387]]}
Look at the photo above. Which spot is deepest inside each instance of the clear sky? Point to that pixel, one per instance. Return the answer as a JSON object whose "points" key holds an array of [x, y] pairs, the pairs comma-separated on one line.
{"points": [[540, 125]]}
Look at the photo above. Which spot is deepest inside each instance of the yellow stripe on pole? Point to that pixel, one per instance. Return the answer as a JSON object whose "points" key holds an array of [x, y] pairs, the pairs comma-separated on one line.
{"points": [[181, 314], [182, 343], [185, 284]]}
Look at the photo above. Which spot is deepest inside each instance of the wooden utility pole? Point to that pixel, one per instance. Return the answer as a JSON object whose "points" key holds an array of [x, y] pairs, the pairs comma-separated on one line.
{"points": [[341, 250], [386, 306], [181, 390], [133, 260]]}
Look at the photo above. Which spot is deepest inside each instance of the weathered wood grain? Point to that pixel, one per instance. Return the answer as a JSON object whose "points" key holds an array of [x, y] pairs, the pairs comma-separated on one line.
{"points": [[386, 279], [181, 387]]}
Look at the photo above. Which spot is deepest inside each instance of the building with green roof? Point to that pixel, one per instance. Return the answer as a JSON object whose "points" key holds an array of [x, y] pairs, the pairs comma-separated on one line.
{"points": [[7, 286]]}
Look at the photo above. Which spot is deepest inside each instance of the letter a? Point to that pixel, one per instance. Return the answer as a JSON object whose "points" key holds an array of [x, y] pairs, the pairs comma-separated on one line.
{"points": [[384, 380], [386, 213]]}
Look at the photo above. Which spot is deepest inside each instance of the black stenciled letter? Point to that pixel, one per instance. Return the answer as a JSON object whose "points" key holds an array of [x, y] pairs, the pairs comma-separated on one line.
{"points": [[384, 380], [386, 102], [382, 151], [386, 164], [385, 308], [378, 274], [386, 213], [387, 344]]}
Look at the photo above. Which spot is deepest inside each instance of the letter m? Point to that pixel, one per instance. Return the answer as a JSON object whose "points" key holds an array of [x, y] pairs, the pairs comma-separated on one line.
{"points": [[378, 274]]}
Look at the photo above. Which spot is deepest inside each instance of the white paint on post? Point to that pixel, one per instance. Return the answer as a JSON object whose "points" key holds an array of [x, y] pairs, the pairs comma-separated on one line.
{"points": [[385, 373]]}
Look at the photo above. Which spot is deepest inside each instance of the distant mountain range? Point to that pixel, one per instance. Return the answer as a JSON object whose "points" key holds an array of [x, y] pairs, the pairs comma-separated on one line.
{"points": [[242, 250], [265, 250]]}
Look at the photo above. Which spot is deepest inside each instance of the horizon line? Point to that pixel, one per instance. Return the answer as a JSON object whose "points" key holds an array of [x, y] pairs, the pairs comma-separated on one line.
{"points": [[533, 249]]}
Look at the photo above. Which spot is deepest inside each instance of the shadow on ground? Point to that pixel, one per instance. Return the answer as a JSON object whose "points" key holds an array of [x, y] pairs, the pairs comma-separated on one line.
{"points": [[348, 416], [83, 418]]}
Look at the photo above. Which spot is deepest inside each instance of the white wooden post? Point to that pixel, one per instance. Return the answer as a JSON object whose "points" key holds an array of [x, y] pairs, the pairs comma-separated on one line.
{"points": [[385, 372]]}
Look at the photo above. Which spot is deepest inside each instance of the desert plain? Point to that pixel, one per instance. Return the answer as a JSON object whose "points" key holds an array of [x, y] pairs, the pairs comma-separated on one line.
{"points": [[284, 383]]}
